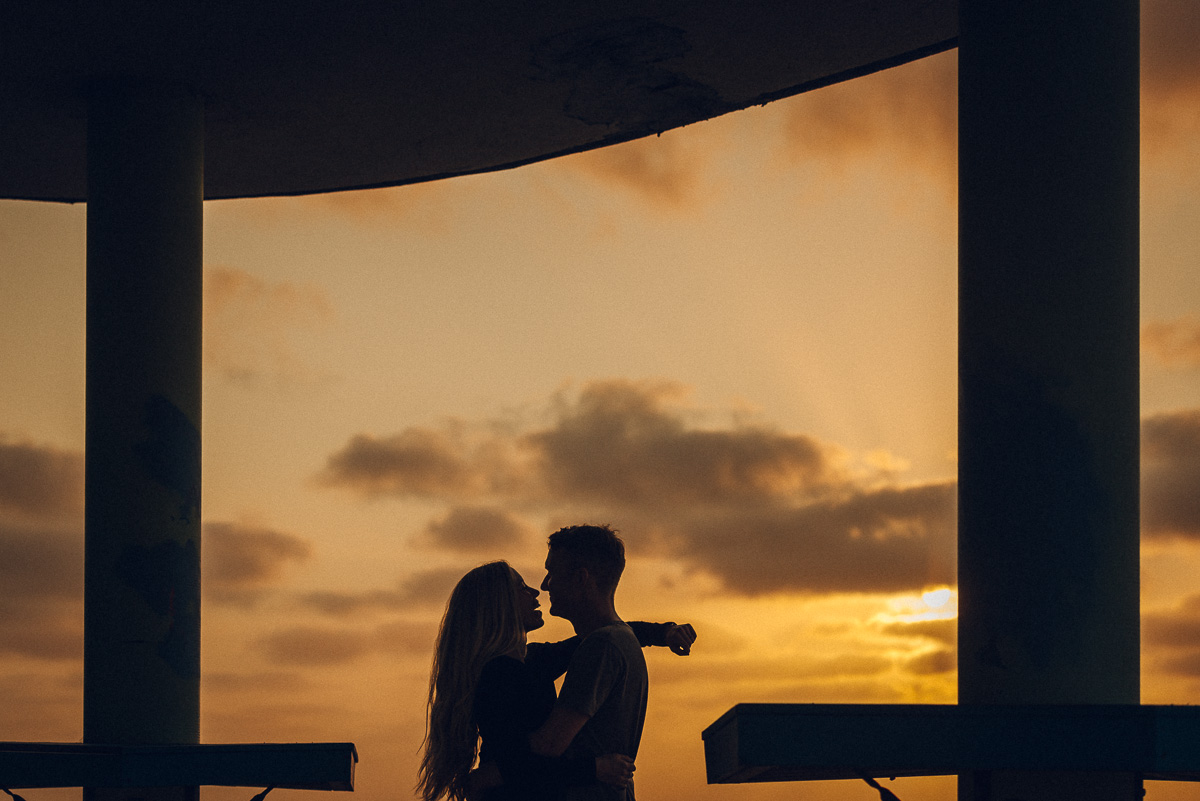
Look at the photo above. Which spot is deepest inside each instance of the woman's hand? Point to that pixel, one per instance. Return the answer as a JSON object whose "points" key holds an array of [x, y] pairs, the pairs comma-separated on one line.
{"points": [[614, 769], [482, 779]]}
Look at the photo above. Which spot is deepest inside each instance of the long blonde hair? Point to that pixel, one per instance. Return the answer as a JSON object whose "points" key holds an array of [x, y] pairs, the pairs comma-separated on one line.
{"points": [[482, 621]]}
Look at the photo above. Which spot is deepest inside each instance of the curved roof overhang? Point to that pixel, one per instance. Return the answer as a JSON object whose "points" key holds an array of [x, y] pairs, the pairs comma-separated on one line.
{"points": [[307, 96]]}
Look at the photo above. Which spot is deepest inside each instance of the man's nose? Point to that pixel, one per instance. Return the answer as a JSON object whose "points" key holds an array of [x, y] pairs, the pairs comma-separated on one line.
{"points": [[546, 582]]}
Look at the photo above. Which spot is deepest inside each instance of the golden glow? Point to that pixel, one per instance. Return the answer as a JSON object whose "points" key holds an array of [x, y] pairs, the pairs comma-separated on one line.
{"points": [[797, 285], [936, 599]]}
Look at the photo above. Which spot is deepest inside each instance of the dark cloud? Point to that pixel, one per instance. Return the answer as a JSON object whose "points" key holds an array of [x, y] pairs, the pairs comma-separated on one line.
{"points": [[755, 672], [41, 580], [1170, 74], [883, 540], [942, 630], [404, 638], [618, 442], [315, 646], [240, 561], [1171, 474], [931, 662], [764, 510], [425, 589], [1175, 343], [622, 443], [1171, 638], [1176, 628], [40, 481], [473, 529], [423, 462], [41, 564], [345, 604], [41, 593], [1170, 30], [1185, 664]]}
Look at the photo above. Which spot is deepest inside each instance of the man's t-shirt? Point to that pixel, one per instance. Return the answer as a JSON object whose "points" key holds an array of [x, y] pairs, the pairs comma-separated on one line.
{"points": [[607, 681]]}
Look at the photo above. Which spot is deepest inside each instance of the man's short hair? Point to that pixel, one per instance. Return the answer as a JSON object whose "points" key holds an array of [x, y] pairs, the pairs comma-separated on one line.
{"points": [[597, 548]]}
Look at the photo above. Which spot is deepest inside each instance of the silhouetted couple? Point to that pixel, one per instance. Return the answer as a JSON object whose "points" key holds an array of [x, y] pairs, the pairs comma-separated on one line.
{"points": [[490, 684]]}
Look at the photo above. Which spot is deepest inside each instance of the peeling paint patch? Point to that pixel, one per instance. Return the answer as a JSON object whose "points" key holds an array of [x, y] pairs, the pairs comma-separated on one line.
{"points": [[618, 75]]}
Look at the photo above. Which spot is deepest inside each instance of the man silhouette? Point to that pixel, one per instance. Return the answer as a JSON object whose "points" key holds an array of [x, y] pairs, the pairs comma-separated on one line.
{"points": [[602, 706]]}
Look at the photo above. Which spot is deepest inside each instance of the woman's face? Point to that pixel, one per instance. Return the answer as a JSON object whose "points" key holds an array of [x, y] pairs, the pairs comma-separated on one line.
{"points": [[527, 604]]}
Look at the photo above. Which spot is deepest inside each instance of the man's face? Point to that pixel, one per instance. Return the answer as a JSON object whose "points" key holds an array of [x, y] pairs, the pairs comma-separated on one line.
{"points": [[562, 584]]}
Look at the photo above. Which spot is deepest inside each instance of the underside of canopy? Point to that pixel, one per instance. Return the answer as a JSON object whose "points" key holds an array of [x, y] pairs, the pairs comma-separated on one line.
{"points": [[307, 96]]}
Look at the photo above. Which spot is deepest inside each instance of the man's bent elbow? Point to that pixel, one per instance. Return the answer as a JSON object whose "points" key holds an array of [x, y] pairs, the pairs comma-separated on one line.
{"points": [[557, 732], [544, 743]]}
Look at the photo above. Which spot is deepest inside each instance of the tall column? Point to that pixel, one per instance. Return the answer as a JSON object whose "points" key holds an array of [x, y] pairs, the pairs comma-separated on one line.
{"points": [[1048, 366], [142, 512]]}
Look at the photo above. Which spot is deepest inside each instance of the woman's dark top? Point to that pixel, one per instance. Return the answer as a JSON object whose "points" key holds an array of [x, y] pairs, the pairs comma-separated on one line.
{"points": [[513, 699]]}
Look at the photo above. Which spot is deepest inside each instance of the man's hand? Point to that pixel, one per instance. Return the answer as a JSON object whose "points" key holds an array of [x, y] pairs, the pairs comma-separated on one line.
{"points": [[679, 638], [614, 769]]}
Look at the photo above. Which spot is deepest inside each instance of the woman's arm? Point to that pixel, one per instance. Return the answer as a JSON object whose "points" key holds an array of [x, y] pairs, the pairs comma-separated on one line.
{"points": [[553, 658], [507, 695]]}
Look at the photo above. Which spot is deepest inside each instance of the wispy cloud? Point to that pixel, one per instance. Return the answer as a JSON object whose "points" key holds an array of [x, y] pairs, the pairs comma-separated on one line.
{"points": [[327, 646], [423, 589], [314, 646], [1171, 638], [475, 529], [942, 630], [669, 171], [241, 561], [906, 116], [40, 481], [1171, 474], [251, 324], [41, 592], [41, 551], [454, 461], [1170, 73], [1173, 343], [909, 113]]}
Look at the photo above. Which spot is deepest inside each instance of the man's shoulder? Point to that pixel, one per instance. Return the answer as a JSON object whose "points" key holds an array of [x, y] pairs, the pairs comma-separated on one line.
{"points": [[612, 644], [618, 634]]}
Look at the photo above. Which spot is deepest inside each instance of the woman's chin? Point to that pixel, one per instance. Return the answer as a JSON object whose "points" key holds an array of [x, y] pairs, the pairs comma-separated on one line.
{"points": [[536, 622]]}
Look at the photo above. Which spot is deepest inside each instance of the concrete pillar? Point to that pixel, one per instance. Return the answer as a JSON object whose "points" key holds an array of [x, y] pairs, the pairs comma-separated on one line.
{"points": [[1048, 366], [142, 512]]}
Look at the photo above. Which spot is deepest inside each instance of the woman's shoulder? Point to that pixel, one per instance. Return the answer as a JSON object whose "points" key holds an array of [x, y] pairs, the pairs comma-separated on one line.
{"points": [[500, 667]]}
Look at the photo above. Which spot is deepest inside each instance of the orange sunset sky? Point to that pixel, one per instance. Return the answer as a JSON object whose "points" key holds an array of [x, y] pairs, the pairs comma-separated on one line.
{"points": [[735, 342]]}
